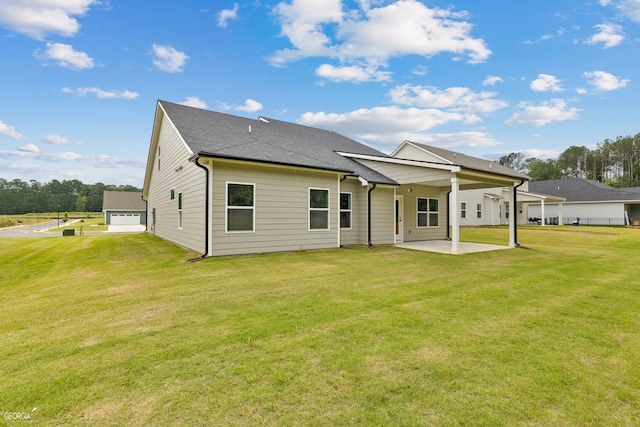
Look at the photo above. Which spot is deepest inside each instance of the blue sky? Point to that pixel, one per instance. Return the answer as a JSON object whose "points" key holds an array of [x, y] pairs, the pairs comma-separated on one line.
{"points": [[79, 79]]}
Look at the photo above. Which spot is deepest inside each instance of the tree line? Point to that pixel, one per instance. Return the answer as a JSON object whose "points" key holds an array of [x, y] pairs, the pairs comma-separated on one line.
{"points": [[615, 163], [21, 197]]}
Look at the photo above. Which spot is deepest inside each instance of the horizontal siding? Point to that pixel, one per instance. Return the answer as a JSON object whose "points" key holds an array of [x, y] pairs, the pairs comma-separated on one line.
{"points": [[413, 153], [382, 216], [177, 172], [353, 236], [281, 209], [405, 174], [411, 230]]}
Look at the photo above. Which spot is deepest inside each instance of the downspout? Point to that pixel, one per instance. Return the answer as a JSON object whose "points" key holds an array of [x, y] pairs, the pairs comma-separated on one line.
{"points": [[369, 215], [195, 159], [514, 213], [449, 215]]}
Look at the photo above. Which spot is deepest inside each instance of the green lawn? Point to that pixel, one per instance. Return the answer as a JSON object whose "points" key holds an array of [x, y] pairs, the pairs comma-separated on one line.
{"points": [[120, 330]]}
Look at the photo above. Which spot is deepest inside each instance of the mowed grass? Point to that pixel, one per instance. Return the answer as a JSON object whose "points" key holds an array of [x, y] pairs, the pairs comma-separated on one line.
{"points": [[120, 330]]}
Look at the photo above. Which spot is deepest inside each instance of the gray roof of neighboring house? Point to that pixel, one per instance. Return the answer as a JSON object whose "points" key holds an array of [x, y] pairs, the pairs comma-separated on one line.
{"points": [[208, 133], [582, 190], [474, 163], [123, 201]]}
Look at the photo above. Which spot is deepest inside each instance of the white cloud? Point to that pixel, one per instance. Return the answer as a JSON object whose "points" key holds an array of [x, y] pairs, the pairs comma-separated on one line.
{"points": [[381, 125], [31, 151], [52, 138], [326, 28], [453, 98], [629, 9], [194, 101], [36, 18], [226, 15], [492, 80], [30, 148], [555, 110], [602, 80], [250, 106], [610, 35], [66, 57], [352, 73], [169, 59], [9, 131], [456, 140], [102, 94], [546, 83]]}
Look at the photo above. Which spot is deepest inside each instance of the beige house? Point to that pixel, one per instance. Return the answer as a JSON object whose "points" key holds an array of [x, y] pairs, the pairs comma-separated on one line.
{"points": [[225, 185]]}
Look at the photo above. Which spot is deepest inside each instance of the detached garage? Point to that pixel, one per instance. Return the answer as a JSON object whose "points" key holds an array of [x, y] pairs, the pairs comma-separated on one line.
{"points": [[124, 208]]}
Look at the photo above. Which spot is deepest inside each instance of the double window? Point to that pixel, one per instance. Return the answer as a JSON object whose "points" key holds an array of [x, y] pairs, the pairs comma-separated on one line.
{"points": [[463, 210], [240, 207], [427, 212], [318, 209], [345, 210]]}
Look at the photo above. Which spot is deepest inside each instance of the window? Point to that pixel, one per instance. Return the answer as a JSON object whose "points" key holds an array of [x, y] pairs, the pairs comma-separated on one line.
{"points": [[506, 211], [240, 207], [180, 210], [500, 211], [318, 209], [158, 157], [463, 210], [173, 193], [345, 210], [427, 212], [479, 210]]}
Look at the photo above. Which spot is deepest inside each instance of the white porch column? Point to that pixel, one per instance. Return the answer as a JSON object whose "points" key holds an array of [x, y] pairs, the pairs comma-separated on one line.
{"points": [[542, 211], [455, 216], [513, 216], [560, 213]]}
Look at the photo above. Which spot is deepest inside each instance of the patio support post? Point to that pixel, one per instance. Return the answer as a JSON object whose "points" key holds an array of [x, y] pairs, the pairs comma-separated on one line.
{"points": [[455, 217], [542, 212], [513, 216], [560, 213]]}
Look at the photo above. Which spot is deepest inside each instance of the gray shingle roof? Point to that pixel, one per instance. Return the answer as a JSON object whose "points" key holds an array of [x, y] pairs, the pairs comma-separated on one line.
{"points": [[123, 200], [582, 190], [469, 162], [214, 134]]}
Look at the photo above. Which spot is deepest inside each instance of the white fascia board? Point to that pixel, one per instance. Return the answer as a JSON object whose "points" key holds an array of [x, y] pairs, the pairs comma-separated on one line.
{"points": [[363, 181], [418, 163]]}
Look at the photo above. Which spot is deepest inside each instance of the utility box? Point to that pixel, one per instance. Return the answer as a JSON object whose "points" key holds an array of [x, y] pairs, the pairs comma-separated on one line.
{"points": [[69, 232]]}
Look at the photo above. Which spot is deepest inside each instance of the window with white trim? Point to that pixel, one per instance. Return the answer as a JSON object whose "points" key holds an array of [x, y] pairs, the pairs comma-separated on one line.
{"points": [[318, 209], [180, 210], [345, 210], [427, 212], [240, 207], [463, 210], [479, 210], [173, 193]]}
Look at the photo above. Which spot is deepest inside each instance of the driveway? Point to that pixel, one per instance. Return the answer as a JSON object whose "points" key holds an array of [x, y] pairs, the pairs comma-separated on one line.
{"points": [[126, 229], [38, 230]]}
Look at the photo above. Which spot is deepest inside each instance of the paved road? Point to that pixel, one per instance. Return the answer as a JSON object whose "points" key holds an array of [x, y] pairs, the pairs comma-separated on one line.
{"points": [[30, 230]]}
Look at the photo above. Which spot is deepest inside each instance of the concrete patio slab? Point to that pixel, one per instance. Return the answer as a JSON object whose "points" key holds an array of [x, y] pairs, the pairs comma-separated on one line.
{"points": [[444, 247]]}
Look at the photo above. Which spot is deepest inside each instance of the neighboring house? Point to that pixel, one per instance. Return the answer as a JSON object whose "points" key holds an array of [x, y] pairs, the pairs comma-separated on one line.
{"points": [[225, 185], [124, 208], [591, 201], [490, 206]]}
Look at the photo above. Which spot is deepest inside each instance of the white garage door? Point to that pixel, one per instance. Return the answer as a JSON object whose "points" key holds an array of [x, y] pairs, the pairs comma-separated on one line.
{"points": [[125, 219]]}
